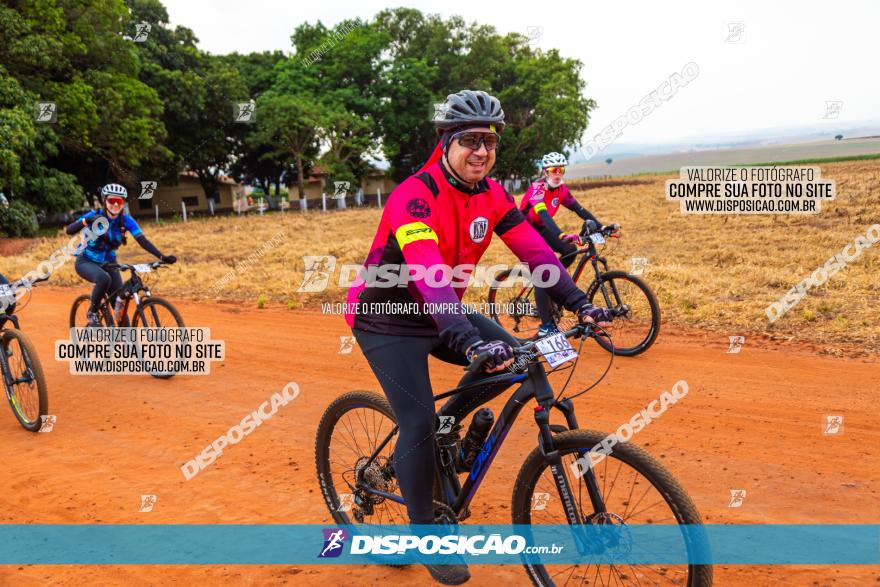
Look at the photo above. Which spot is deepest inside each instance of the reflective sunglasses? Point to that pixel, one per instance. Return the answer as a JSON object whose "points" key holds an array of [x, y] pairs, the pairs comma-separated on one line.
{"points": [[474, 140], [559, 170], [115, 201]]}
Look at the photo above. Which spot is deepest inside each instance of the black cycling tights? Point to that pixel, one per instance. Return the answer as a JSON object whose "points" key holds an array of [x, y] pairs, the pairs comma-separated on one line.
{"points": [[401, 366], [104, 279], [542, 300]]}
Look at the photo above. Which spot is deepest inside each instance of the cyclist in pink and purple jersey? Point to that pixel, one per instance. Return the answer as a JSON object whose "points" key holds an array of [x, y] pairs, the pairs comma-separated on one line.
{"points": [[539, 204]]}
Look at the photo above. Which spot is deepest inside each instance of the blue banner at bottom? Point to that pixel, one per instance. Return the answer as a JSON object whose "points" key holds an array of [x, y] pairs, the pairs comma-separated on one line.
{"points": [[475, 544]]}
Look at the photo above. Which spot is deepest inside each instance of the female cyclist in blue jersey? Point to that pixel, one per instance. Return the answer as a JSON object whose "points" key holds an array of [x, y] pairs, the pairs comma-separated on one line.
{"points": [[92, 260], [441, 217], [539, 204]]}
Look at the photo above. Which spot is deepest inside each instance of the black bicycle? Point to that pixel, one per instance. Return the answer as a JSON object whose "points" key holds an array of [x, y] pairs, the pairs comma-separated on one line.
{"points": [[147, 310], [356, 441], [23, 378], [634, 305]]}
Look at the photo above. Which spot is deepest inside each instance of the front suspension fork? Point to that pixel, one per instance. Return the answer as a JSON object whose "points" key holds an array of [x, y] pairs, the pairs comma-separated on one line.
{"points": [[554, 460]]}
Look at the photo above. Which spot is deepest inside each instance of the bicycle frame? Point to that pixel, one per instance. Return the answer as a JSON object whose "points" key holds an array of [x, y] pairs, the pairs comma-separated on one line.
{"points": [[534, 385], [127, 292]]}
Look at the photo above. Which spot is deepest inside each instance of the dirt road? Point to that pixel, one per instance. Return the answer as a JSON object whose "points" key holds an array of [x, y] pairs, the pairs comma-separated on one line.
{"points": [[752, 420]]}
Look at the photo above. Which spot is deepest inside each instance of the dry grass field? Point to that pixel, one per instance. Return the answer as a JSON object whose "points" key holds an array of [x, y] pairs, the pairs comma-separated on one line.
{"points": [[716, 272]]}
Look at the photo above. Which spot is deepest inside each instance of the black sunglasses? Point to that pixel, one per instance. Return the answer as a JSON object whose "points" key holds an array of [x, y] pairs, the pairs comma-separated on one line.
{"points": [[474, 140]]}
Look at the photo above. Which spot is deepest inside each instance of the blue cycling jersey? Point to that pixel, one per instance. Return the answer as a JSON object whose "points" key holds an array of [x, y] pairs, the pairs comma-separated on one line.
{"points": [[103, 248]]}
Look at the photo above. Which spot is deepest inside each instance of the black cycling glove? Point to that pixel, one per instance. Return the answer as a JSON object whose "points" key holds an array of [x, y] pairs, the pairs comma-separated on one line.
{"points": [[498, 351]]}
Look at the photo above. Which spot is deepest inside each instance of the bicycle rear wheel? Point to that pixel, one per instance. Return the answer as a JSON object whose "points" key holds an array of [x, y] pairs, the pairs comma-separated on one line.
{"points": [[23, 379], [78, 311], [350, 430], [635, 488], [512, 306]]}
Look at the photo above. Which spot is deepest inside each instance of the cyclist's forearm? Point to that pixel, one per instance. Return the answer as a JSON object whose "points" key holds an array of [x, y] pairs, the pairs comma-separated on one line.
{"points": [[149, 247], [75, 227], [530, 248], [584, 214], [549, 224]]}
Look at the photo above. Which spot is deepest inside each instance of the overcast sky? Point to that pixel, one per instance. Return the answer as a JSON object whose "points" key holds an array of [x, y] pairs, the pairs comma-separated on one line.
{"points": [[790, 58]]}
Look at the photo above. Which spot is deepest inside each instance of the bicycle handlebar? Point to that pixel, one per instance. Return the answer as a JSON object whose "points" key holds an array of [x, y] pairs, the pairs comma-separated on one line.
{"points": [[581, 329], [127, 267]]}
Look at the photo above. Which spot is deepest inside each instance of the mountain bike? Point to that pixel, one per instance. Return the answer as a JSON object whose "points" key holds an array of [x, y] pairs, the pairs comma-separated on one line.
{"points": [[147, 310], [355, 444], [634, 305], [22, 372]]}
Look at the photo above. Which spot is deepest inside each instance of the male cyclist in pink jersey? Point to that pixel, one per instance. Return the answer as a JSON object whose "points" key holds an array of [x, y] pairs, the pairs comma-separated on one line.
{"points": [[539, 204], [444, 216]]}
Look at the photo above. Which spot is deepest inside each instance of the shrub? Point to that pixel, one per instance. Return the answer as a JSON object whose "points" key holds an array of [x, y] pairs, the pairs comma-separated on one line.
{"points": [[18, 219]]}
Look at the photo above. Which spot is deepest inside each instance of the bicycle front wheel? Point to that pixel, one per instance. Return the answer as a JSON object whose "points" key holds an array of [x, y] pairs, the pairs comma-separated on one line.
{"points": [[634, 488], [637, 323], [155, 312], [23, 379]]}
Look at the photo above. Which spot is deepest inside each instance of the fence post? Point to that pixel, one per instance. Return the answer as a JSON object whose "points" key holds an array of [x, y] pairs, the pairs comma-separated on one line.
{"points": [[261, 205], [379, 196], [183, 206], [211, 205], [157, 213], [323, 202]]}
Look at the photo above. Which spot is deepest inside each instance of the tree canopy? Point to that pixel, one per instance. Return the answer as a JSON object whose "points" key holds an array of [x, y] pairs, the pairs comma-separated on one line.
{"points": [[132, 104]]}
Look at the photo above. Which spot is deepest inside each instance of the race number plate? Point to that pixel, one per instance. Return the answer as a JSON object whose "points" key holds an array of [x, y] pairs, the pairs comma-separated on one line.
{"points": [[143, 268], [597, 238], [556, 349]]}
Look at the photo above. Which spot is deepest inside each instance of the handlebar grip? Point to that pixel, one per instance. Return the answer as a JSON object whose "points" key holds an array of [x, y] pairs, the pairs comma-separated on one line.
{"points": [[477, 364]]}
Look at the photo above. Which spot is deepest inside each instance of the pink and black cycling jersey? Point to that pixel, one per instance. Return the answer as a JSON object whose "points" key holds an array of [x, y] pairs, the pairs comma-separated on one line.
{"points": [[540, 197], [433, 221]]}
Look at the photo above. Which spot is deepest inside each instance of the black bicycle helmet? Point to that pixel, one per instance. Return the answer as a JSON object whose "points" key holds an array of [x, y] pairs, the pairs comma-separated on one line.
{"points": [[469, 107]]}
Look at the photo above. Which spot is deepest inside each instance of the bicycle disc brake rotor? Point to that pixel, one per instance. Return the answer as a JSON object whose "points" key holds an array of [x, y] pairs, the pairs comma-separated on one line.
{"points": [[620, 540]]}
